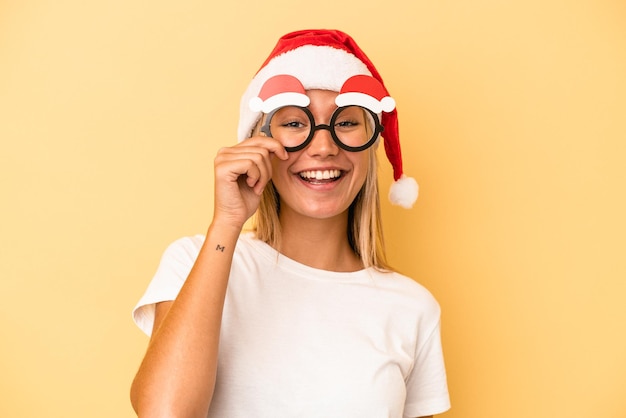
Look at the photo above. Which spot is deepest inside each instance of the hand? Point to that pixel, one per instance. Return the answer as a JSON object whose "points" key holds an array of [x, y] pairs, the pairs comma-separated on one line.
{"points": [[241, 173]]}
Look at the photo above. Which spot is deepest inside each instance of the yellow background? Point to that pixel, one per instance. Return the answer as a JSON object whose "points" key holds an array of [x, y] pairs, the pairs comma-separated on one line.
{"points": [[512, 119]]}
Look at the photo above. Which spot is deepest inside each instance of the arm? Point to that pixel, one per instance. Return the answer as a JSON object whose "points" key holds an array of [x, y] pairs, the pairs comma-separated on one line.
{"points": [[177, 375]]}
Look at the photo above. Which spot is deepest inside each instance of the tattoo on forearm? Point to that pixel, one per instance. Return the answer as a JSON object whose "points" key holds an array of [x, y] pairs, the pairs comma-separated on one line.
{"points": [[219, 248]]}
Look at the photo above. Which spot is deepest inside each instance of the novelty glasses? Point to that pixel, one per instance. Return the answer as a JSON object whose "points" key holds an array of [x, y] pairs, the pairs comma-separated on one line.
{"points": [[353, 128]]}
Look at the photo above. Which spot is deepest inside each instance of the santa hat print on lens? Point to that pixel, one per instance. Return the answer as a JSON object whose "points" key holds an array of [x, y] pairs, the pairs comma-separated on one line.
{"points": [[326, 60]]}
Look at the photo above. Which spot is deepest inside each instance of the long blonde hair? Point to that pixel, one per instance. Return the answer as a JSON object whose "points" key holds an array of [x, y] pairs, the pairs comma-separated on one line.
{"points": [[365, 233]]}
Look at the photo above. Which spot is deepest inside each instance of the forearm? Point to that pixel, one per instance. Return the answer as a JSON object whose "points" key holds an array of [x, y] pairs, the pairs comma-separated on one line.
{"points": [[177, 375]]}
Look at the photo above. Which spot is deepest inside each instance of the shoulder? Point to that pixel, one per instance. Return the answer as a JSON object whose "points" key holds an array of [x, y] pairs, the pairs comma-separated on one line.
{"points": [[184, 249], [409, 294], [187, 248], [188, 244], [250, 249], [401, 283]]}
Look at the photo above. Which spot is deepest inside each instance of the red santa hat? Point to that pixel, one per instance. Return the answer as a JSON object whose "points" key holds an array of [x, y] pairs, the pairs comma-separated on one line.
{"points": [[326, 60]]}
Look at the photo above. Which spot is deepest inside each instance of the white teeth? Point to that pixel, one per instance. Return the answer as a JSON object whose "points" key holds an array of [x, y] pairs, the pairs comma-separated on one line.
{"points": [[320, 175]]}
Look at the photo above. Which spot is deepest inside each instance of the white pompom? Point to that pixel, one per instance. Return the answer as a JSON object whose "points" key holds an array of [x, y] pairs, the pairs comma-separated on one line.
{"points": [[388, 104], [403, 192], [255, 104]]}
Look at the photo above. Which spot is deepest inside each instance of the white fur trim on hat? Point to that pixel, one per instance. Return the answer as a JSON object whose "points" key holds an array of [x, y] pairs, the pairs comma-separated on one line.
{"points": [[317, 67], [365, 100], [279, 100]]}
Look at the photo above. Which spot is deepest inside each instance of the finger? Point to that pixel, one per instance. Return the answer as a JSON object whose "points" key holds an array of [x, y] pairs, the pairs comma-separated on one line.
{"points": [[257, 177], [250, 162], [260, 155], [269, 143]]}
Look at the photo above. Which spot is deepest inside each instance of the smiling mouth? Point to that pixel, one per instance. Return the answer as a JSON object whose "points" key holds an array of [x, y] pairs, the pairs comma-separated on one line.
{"points": [[320, 176]]}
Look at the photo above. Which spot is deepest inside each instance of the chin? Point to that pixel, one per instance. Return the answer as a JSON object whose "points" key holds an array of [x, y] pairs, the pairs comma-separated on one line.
{"points": [[318, 210]]}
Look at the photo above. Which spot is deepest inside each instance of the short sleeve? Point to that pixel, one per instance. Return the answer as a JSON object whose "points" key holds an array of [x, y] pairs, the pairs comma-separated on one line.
{"points": [[170, 276], [427, 388]]}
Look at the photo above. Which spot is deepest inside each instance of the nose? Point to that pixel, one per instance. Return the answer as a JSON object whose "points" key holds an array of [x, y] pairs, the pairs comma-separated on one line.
{"points": [[322, 143]]}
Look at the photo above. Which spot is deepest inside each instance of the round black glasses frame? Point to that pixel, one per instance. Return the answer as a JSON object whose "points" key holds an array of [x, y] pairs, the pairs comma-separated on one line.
{"points": [[378, 129]]}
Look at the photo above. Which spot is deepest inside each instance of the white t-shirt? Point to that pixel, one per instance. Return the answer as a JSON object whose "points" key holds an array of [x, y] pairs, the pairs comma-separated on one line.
{"points": [[302, 342]]}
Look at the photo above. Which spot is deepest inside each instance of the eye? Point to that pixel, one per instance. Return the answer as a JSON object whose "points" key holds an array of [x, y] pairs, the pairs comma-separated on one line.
{"points": [[350, 117], [290, 117], [293, 124], [347, 123]]}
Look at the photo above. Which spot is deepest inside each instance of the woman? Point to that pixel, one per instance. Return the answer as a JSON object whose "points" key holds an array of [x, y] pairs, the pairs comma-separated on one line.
{"points": [[302, 317]]}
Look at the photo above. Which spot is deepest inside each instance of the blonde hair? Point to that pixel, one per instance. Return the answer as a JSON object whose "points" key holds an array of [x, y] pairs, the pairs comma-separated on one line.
{"points": [[365, 233]]}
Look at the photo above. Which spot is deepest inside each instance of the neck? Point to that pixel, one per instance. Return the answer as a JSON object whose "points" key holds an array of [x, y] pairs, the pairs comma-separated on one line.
{"points": [[318, 243]]}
